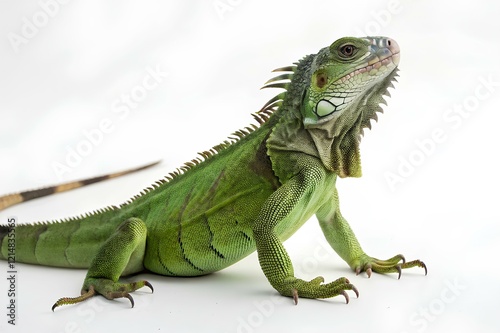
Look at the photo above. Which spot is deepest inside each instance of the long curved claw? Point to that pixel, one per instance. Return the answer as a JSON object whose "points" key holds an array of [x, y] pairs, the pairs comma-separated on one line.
{"points": [[398, 268], [344, 293], [295, 295], [369, 271], [355, 291], [149, 285], [130, 298]]}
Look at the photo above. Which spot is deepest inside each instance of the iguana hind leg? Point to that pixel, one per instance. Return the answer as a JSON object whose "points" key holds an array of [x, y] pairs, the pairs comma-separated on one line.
{"points": [[121, 254]]}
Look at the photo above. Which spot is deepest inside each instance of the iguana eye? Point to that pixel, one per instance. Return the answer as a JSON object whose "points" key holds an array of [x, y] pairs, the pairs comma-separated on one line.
{"points": [[347, 50]]}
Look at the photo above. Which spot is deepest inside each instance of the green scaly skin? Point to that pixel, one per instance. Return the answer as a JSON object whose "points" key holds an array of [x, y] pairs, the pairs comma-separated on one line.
{"points": [[248, 194]]}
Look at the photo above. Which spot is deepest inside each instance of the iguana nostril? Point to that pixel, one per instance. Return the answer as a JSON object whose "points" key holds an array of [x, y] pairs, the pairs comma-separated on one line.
{"points": [[392, 45]]}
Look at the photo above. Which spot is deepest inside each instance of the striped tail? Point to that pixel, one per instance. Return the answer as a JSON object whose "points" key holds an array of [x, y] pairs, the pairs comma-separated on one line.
{"points": [[16, 198]]}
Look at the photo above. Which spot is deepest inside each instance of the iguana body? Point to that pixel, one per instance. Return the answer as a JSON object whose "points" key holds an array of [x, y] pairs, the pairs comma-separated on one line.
{"points": [[246, 195]]}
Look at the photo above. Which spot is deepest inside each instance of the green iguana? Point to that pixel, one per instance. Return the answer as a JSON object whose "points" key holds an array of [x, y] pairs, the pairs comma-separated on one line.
{"points": [[249, 193]]}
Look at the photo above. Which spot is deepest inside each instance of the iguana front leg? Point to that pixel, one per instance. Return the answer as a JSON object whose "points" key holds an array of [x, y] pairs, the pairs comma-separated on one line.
{"points": [[121, 254], [273, 257], [342, 239]]}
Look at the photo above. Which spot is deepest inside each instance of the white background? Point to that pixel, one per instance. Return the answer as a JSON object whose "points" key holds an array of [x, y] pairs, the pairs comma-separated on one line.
{"points": [[70, 71]]}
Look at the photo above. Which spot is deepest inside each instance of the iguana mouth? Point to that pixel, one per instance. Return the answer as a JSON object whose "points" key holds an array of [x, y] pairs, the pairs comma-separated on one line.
{"points": [[393, 58]]}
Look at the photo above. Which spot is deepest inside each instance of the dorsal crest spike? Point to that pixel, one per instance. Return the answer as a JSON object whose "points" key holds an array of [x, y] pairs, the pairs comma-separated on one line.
{"points": [[282, 85], [282, 77], [275, 82], [275, 101], [291, 68]]}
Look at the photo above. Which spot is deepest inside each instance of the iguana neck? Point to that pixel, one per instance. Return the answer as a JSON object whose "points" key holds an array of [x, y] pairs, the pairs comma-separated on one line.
{"points": [[289, 134]]}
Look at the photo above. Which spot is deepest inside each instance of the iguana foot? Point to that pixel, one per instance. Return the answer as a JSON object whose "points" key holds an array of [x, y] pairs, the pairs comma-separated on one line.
{"points": [[315, 288], [106, 288], [392, 265]]}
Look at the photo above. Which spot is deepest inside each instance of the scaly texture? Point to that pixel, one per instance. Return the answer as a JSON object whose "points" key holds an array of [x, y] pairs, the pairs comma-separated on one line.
{"points": [[249, 193]]}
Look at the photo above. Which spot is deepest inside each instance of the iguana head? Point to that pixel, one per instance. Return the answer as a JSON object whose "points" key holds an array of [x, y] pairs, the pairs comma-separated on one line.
{"points": [[347, 82]]}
